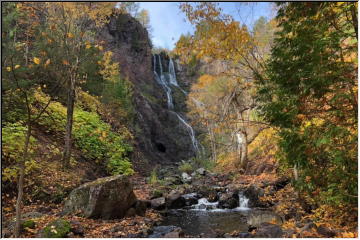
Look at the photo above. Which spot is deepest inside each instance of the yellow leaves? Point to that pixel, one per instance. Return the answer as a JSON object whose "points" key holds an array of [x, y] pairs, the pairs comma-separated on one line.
{"points": [[17, 66], [348, 235], [50, 41], [87, 46], [8, 69], [36, 60], [101, 48], [70, 35]]}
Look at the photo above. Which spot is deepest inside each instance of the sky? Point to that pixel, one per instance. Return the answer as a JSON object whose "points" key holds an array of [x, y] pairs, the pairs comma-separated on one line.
{"points": [[168, 22]]}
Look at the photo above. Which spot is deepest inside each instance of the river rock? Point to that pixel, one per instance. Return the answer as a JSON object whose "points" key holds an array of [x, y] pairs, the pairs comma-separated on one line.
{"points": [[166, 232], [105, 198], [190, 199], [76, 228], [186, 177], [268, 230], [158, 203], [201, 171], [140, 207], [175, 200], [253, 193], [326, 232], [228, 200]]}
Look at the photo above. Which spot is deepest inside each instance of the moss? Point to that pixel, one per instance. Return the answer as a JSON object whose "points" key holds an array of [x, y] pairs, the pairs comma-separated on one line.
{"points": [[57, 229], [29, 224], [157, 193]]}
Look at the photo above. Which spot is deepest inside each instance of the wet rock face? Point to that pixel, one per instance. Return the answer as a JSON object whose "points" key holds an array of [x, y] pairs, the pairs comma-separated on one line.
{"points": [[105, 198], [159, 137]]}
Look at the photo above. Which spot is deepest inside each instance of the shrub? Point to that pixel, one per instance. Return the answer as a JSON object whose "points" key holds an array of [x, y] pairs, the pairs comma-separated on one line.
{"points": [[13, 141], [186, 167]]}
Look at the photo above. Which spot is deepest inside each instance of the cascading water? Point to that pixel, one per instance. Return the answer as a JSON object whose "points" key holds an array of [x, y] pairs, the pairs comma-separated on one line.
{"points": [[191, 133], [162, 80], [243, 202]]}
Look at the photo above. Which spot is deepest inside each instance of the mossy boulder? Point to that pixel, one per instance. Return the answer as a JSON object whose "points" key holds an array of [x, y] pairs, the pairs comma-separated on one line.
{"points": [[105, 198], [56, 229]]}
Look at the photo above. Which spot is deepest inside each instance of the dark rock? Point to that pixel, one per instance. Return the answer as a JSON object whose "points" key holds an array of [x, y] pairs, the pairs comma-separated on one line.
{"points": [[253, 193], [166, 232], [140, 207], [56, 229], [131, 212], [268, 230], [326, 232], [105, 198], [175, 200], [227, 200], [77, 228], [244, 235], [308, 227], [190, 199], [158, 203]]}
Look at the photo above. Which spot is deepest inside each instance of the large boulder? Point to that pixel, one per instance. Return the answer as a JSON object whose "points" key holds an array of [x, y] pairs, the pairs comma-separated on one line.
{"points": [[105, 198]]}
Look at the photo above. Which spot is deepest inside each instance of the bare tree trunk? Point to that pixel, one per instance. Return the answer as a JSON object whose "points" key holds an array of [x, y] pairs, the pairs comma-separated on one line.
{"points": [[213, 144], [21, 181], [69, 123], [244, 150], [296, 173]]}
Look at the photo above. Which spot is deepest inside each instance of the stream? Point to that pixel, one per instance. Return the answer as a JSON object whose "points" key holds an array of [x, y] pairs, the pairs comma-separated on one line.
{"points": [[205, 219]]}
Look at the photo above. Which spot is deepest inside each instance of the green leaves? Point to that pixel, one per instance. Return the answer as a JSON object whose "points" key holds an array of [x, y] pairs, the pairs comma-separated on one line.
{"points": [[310, 94]]}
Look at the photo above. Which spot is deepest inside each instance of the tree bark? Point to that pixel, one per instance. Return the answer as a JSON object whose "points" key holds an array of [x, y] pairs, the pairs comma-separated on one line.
{"points": [[21, 182], [69, 123], [244, 150]]}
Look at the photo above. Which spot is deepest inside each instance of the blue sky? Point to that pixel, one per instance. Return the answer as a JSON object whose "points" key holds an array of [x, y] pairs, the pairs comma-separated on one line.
{"points": [[168, 22]]}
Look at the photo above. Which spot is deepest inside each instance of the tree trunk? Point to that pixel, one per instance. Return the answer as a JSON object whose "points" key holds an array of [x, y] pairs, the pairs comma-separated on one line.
{"points": [[21, 182], [296, 173], [69, 124], [244, 151]]}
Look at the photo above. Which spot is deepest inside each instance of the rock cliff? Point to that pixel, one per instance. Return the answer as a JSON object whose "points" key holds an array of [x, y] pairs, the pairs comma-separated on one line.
{"points": [[160, 137]]}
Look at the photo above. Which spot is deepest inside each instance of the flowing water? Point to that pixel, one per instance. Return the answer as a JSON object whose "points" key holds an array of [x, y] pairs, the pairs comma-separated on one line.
{"points": [[205, 218], [165, 79]]}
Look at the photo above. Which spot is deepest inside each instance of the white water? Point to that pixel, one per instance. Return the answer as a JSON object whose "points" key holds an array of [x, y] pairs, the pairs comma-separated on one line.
{"points": [[243, 202], [172, 73], [191, 133], [161, 79], [204, 205]]}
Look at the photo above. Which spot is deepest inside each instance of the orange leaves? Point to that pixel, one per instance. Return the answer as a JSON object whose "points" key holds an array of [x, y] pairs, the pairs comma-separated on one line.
{"points": [[65, 62]]}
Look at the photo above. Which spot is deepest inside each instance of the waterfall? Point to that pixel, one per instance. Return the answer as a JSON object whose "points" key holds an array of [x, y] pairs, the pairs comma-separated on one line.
{"points": [[243, 202], [191, 133], [161, 79], [172, 73]]}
